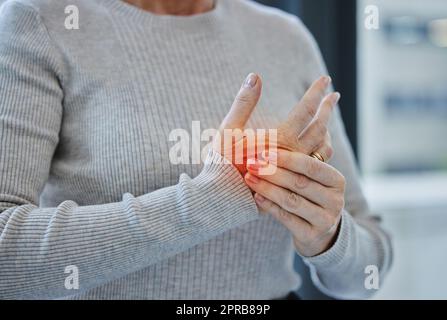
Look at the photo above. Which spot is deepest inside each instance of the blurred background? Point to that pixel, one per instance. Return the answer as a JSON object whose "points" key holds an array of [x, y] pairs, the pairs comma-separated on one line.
{"points": [[394, 85]]}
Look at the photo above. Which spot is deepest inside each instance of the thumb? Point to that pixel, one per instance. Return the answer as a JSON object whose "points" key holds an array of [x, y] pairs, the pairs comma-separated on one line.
{"points": [[244, 103]]}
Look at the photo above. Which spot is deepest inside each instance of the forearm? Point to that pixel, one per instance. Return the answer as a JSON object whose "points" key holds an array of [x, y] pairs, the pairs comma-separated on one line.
{"points": [[340, 271], [108, 241]]}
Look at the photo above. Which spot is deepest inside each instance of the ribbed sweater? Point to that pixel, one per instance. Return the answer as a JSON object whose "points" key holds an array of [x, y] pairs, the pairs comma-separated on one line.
{"points": [[85, 175]]}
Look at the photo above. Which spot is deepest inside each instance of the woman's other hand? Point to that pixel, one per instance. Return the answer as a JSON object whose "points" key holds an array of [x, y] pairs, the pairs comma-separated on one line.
{"points": [[305, 195]]}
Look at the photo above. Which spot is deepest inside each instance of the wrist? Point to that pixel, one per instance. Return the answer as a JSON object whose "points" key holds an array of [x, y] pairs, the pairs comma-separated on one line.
{"points": [[321, 246]]}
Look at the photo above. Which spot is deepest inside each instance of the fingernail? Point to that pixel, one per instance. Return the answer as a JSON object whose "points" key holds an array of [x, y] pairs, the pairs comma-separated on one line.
{"points": [[256, 164], [327, 80], [336, 97], [251, 80], [253, 168], [251, 178], [259, 199]]}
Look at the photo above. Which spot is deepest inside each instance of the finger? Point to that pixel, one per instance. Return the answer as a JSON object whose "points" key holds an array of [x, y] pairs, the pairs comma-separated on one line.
{"points": [[293, 223], [326, 150], [244, 103], [312, 168], [314, 134], [304, 112], [297, 183], [288, 200]]}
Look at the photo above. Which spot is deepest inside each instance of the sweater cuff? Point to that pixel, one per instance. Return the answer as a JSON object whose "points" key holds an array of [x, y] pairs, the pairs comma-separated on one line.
{"points": [[339, 252], [221, 179]]}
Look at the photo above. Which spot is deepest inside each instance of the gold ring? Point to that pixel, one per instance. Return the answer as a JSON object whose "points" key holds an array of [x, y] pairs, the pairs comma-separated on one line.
{"points": [[317, 156]]}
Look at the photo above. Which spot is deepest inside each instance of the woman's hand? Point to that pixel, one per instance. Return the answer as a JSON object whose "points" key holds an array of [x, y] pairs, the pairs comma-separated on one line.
{"points": [[305, 129], [305, 195]]}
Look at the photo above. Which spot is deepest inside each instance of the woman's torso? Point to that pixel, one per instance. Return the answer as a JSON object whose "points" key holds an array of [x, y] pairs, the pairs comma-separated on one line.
{"points": [[129, 80]]}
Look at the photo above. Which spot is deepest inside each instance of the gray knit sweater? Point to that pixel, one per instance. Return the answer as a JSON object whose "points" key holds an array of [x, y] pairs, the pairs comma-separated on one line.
{"points": [[85, 176]]}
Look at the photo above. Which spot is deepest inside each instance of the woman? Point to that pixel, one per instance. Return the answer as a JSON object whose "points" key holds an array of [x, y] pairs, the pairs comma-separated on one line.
{"points": [[85, 178]]}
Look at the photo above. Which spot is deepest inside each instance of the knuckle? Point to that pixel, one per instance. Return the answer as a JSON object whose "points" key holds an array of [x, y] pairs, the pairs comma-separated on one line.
{"points": [[284, 216], [312, 167], [320, 127], [298, 143], [283, 157], [342, 181], [309, 109], [329, 152], [292, 200], [339, 203], [300, 181], [310, 142], [243, 98]]}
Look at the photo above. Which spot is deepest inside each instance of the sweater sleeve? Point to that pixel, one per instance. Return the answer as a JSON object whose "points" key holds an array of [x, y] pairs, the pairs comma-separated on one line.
{"points": [[340, 271], [104, 242]]}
